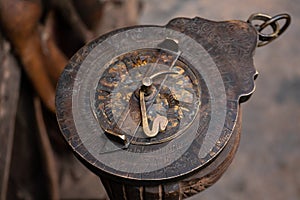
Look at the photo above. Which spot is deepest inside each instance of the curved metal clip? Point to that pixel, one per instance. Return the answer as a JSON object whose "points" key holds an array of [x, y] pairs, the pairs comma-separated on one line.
{"points": [[277, 30], [159, 123]]}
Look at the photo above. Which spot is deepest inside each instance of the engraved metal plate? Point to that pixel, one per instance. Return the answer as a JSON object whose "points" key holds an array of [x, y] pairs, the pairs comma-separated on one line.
{"points": [[96, 95]]}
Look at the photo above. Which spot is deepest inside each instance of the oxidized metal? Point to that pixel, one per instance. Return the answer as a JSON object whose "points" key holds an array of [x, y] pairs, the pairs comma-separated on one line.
{"points": [[158, 107], [269, 21], [117, 99]]}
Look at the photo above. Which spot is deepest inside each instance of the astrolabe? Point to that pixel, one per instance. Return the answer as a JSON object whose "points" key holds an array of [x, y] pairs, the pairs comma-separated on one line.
{"points": [[154, 111]]}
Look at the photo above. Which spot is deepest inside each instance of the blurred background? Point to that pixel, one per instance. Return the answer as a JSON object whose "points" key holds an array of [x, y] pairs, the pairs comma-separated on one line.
{"points": [[267, 164]]}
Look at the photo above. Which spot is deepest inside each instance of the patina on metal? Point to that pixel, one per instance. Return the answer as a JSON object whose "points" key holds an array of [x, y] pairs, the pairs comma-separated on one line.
{"points": [[266, 38], [186, 80]]}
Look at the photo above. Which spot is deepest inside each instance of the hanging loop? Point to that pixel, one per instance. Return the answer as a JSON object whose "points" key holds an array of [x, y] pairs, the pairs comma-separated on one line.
{"points": [[277, 29]]}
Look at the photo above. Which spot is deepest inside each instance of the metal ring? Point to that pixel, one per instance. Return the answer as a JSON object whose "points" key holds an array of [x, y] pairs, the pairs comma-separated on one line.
{"points": [[269, 21], [275, 19], [264, 38]]}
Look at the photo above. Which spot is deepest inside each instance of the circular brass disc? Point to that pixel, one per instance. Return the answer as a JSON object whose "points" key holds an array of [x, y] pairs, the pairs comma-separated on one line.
{"points": [[200, 141]]}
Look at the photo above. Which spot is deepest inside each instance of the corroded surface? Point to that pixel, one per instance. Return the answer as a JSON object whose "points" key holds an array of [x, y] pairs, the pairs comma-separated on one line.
{"points": [[118, 93], [221, 56], [183, 188]]}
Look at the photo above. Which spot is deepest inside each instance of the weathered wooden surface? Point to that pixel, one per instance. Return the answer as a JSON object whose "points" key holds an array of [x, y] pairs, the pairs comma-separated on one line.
{"points": [[42, 34], [27, 177], [9, 94]]}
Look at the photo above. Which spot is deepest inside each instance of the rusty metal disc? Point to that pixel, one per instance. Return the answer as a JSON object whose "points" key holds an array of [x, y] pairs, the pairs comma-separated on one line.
{"points": [[199, 71]]}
